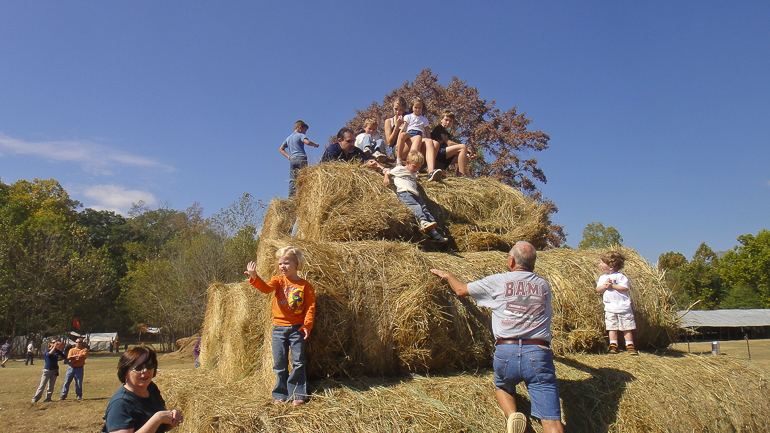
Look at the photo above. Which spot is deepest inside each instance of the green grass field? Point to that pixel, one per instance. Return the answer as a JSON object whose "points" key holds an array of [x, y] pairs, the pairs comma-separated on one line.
{"points": [[19, 382]]}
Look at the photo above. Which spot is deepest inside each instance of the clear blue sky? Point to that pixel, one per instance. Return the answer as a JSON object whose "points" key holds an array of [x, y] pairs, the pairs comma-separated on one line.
{"points": [[657, 111]]}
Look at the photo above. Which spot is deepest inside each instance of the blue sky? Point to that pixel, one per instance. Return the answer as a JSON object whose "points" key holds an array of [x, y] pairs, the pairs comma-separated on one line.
{"points": [[657, 111]]}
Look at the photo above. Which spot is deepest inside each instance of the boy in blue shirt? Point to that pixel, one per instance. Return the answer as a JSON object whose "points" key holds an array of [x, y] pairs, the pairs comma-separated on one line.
{"points": [[297, 158]]}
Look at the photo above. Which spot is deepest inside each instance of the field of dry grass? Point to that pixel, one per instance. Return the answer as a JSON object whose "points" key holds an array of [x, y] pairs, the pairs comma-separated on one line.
{"points": [[18, 383]]}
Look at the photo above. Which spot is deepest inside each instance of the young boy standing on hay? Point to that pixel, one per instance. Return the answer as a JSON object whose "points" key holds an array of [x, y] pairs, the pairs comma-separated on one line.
{"points": [[297, 157], [293, 313], [405, 179], [521, 308], [618, 315]]}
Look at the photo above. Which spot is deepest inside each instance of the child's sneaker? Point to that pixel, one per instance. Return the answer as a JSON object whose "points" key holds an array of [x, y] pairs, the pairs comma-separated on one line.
{"points": [[613, 348], [434, 235], [631, 350], [379, 156], [368, 151], [517, 423], [436, 175], [426, 226]]}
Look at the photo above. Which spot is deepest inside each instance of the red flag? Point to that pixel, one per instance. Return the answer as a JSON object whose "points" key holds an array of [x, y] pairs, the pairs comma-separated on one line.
{"points": [[76, 324]]}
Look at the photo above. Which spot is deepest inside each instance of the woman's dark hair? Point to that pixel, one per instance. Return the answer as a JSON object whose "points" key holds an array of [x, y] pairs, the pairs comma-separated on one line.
{"points": [[130, 356]]}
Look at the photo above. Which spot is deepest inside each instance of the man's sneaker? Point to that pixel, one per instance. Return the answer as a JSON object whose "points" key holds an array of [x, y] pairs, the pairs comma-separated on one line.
{"points": [[436, 175], [613, 348], [426, 226], [434, 235], [517, 422], [631, 350]]}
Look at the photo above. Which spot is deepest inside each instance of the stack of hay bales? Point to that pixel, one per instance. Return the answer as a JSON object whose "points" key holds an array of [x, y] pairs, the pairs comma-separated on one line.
{"points": [[380, 311]]}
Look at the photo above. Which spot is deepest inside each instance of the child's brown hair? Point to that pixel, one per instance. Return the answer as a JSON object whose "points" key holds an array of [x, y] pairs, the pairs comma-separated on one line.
{"points": [[614, 259], [300, 124], [448, 113], [400, 102], [418, 100]]}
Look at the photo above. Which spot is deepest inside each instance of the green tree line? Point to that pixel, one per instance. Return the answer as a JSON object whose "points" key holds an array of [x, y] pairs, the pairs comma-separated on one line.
{"points": [[113, 273]]}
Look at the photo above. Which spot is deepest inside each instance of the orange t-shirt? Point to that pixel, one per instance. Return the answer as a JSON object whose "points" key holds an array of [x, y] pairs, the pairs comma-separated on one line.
{"points": [[294, 301], [77, 356]]}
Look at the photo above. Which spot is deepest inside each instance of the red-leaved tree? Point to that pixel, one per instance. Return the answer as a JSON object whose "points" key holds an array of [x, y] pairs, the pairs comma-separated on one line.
{"points": [[499, 138]]}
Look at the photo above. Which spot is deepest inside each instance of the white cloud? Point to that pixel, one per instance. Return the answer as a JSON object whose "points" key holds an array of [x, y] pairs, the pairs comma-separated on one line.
{"points": [[94, 157], [116, 198]]}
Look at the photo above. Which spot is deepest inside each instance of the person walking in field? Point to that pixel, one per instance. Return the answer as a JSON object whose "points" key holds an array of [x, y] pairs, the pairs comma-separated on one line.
{"points": [[618, 314], [521, 323], [77, 359], [5, 349], [293, 314]]}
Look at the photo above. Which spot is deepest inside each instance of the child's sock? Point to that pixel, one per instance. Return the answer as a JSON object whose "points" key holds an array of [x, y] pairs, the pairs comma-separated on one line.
{"points": [[629, 343], [615, 342]]}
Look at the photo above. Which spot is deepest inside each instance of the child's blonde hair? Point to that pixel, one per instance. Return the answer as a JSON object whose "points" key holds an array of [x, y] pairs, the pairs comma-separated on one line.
{"points": [[400, 102], [300, 124], [370, 121], [293, 253], [614, 259], [416, 158]]}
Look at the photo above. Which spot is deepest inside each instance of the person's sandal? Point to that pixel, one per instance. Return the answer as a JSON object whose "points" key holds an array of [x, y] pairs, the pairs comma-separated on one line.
{"points": [[631, 350], [613, 349]]}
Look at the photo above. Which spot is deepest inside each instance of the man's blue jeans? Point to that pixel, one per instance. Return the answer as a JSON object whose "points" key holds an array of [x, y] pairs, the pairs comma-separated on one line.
{"points": [[289, 386], [73, 373]]}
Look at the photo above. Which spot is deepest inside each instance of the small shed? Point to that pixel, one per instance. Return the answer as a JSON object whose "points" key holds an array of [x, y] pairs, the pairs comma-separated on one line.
{"points": [[726, 324]]}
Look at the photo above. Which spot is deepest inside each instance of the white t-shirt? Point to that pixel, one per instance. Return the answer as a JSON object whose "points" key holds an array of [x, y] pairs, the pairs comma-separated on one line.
{"points": [[416, 123], [404, 180], [615, 301]]}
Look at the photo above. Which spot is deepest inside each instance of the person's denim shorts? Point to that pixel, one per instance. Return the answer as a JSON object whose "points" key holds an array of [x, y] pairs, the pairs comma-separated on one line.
{"points": [[533, 365], [413, 132]]}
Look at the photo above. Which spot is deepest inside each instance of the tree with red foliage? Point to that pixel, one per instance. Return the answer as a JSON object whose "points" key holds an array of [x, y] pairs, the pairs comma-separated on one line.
{"points": [[498, 138]]}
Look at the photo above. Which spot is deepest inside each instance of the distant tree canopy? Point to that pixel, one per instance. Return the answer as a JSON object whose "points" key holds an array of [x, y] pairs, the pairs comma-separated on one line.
{"points": [[595, 235], [738, 279], [110, 272], [501, 139]]}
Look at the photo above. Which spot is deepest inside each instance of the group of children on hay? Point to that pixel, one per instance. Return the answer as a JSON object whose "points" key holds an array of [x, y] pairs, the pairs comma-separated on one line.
{"points": [[413, 142], [293, 309]]}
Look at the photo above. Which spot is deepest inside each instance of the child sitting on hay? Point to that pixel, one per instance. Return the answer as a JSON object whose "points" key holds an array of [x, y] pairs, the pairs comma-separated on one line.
{"points": [[618, 315], [405, 179], [293, 313]]}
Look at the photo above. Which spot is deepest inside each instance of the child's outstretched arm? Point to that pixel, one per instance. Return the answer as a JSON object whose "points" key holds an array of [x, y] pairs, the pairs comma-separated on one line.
{"points": [[259, 283]]}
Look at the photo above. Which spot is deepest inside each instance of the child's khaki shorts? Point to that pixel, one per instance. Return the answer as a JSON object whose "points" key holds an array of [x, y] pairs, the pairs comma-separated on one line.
{"points": [[619, 321]]}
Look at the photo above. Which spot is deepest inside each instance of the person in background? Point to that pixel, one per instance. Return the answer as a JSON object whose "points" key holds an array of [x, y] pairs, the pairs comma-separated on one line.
{"points": [[77, 359], [50, 372], [30, 353], [197, 352], [5, 349]]}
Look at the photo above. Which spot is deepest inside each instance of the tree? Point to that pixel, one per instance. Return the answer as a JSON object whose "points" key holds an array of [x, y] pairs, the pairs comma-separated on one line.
{"points": [[699, 280], [595, 235], [499, 138], [748, 266], [671, 261]]}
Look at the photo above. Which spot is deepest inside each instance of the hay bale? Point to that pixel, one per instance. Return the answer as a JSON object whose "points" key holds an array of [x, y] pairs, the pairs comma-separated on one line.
{"points": [[338, 201], [343, 202], [380, 311], [669, 393]]}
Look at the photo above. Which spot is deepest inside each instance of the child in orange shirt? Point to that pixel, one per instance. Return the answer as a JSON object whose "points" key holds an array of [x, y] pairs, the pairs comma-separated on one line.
{"points": [[293, 313]]}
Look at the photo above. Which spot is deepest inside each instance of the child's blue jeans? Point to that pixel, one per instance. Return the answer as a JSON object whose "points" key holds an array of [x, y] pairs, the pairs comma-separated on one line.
{"points": [[417, 206], [295, 164], [289, 386]]}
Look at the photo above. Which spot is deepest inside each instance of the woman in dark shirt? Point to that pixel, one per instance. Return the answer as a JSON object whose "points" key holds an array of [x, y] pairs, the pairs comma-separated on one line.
{"points": [[137, 407], [50, 371]]}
